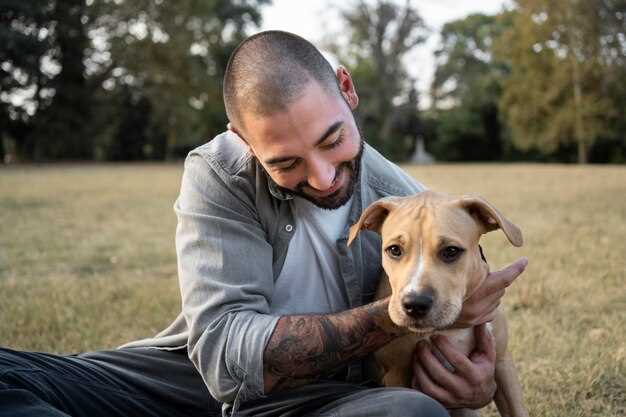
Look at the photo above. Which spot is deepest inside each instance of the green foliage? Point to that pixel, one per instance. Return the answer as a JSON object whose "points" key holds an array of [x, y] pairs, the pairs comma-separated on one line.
{"points": [[21, 49], [543, 81], [131, 139], [466, 89], [103, 75], [380, 35], [61, 129], [129, 80], [466, 70], [173, 54], [564, 56]]}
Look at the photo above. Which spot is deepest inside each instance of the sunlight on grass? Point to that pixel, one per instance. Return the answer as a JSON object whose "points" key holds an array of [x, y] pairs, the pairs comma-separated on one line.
{"points": [[87, 261]]}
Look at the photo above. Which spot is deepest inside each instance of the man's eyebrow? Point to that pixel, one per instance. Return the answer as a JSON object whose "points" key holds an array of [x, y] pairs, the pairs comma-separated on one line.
{"points": [[332, 129]]}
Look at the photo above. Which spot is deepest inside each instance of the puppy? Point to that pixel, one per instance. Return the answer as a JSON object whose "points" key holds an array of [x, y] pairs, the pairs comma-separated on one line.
{"points": [[433, 263]]}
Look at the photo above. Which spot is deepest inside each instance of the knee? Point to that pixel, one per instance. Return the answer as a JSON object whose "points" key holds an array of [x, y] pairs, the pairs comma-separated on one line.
{"points": [[413, 403]]}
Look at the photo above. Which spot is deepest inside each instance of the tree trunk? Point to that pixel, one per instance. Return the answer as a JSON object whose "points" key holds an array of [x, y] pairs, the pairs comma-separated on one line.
{"points": [[579, 132], [582, 152], [579, 129]]}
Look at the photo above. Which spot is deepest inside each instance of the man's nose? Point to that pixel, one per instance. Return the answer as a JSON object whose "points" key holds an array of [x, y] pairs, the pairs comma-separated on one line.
{"points": [[321, 174]]}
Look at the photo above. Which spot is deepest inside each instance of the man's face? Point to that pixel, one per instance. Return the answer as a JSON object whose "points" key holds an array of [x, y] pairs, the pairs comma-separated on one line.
{"points": [[312, 149]]}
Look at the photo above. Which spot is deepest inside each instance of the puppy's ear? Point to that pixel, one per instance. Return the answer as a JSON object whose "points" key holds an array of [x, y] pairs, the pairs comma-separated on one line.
{"points": [[373, 216], [491, 218]]}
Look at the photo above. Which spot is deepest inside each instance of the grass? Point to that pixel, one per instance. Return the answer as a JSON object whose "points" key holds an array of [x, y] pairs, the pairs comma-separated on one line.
{"points": [[87, 262]]}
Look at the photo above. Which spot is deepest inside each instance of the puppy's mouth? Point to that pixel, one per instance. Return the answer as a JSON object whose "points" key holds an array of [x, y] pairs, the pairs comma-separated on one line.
{"points": [[439, 318], [421, 330]]}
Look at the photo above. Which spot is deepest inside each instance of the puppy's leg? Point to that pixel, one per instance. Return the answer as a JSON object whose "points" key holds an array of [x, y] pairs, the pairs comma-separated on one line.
{"points": [[508, 398], [396, 360]]}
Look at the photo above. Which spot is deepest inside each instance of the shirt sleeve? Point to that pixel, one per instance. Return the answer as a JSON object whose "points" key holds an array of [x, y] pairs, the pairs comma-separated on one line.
{"points": [[226, 281]]}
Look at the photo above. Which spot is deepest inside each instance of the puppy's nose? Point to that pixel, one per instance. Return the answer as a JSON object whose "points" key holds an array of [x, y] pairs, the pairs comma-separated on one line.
{"points": [[417, 304]]}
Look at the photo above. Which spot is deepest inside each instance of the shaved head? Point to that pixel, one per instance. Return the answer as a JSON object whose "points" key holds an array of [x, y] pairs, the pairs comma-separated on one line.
{"points": [[269, 70]]}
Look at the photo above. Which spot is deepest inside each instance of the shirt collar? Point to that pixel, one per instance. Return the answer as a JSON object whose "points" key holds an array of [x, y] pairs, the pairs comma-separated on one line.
{"points": [[276, 191]]}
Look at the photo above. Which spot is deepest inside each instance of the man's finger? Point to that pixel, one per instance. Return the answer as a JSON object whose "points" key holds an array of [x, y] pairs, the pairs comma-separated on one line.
{"points": [[497, 295], [490, 311], [486, 318], [457, 359], [501, 279], [486, 302], [424, 383], [435, 369], [489, 317]]}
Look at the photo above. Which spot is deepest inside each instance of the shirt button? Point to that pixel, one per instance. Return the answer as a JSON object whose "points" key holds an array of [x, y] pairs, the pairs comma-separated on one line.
{"points": [[289, 228]]}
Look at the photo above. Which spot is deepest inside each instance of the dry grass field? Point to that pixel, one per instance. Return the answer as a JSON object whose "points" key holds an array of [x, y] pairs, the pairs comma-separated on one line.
{"points": [[87, 262]]}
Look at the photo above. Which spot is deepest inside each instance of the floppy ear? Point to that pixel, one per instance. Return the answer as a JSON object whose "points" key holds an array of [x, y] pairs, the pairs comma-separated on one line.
{"points": [[491, 219], [373, 216]]}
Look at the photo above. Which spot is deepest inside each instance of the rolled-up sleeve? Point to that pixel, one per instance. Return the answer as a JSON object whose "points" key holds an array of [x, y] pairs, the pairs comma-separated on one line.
{"points": [[226, 280]]}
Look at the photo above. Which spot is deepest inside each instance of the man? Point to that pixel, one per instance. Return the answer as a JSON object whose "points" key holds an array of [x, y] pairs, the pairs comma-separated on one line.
{"points": [[277, 315]]}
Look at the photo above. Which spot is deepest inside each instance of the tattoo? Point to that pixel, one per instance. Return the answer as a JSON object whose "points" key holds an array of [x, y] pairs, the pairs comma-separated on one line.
{"points": [[306, 347]]}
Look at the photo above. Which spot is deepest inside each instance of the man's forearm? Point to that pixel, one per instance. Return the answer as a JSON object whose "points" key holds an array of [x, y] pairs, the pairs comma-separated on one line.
{"points": [[305, 347]]}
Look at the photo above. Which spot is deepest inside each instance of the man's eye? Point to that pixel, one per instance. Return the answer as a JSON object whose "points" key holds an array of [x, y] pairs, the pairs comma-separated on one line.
{"points": [[336, 143], [450, 254], [288, 167], [394, 251]]}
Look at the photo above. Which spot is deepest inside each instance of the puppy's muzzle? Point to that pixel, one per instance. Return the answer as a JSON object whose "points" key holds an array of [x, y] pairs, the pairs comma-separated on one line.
{"points": [[417, 304]]}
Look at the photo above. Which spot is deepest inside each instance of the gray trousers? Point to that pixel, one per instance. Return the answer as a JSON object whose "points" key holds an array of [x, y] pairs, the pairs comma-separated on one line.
{"points": [[152, 382]]}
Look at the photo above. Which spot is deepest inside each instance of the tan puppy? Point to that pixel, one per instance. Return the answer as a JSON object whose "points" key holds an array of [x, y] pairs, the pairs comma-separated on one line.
{"points": [[433, 263]]}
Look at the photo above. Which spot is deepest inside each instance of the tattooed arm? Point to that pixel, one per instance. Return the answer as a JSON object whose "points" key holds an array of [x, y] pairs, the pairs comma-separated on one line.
{"points": [[305, 347]]}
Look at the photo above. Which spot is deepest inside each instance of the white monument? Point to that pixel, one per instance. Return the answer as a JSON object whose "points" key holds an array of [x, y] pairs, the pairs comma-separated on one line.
{"points": [[420, 156]]}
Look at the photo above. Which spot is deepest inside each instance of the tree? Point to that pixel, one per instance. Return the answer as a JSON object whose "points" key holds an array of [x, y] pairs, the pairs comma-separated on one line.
{"points": [[132, 134], [174, 54], [46, 97], [560, 54], [23, 44], [380, 35], [61, 128], [71, 70], [466, 88]]}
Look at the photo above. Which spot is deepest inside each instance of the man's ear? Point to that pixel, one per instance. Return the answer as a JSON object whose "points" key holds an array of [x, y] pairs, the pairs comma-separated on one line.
{"points": [[231, 127], [373, 216], [491, 219], [346, 87]]}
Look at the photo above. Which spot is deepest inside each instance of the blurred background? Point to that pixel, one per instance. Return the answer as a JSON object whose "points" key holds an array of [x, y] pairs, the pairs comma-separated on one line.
{"points": [[120, 80]]}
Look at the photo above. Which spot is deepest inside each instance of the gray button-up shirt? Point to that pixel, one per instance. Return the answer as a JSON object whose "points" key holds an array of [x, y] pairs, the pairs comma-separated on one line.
{"points": [[231, 240]]}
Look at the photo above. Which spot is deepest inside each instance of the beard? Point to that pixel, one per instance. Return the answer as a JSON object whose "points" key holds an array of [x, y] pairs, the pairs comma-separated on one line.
{"points": [[343, 194]]}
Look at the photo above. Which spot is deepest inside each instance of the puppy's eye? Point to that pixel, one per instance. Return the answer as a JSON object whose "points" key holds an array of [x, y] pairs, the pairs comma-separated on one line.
{"points": [[394, 251], [450, 254]]}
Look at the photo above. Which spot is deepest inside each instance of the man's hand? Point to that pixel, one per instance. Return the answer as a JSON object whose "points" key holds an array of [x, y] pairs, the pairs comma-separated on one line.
{"points": [[471, 385], [481, 306]]}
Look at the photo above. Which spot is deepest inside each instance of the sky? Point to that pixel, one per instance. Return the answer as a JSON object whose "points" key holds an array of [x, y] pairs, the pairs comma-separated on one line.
{"points": [[315, 19]]}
